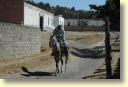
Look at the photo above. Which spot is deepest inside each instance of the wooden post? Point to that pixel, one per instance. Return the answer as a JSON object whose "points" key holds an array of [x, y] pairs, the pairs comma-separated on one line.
{"points": [[108, 56]]}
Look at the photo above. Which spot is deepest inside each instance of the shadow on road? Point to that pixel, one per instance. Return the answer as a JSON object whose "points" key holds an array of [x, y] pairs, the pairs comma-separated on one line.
{"points": [[37, 73], [96, 52]]}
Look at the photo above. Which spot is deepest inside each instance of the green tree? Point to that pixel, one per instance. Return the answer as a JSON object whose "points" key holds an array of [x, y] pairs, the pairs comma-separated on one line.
{"points": [[73, 9], [82, 23], [107, 12]]}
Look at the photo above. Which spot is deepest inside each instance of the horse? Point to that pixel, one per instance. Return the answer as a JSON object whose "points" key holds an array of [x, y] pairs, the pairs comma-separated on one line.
{"points": [[59, 50], [64, 52]]}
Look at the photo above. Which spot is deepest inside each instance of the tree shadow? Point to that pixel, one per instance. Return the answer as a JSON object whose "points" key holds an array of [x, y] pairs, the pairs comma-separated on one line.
{"points": [[115, 50], [94, 76], [96, 52], [37, 73]]}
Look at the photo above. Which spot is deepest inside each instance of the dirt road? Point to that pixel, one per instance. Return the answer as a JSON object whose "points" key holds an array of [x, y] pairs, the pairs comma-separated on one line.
{"points": [[86, 54]]}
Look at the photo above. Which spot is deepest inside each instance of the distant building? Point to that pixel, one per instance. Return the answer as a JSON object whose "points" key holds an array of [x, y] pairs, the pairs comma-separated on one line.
{"points": [[90, 22], [19, 12], [59, 20]]}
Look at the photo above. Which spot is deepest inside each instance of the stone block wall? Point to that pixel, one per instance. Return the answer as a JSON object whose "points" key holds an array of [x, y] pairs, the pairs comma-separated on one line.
{"points": [[17, 41]]}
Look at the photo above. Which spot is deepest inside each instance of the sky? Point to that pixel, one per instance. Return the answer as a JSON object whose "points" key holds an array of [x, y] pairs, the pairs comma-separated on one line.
{"points": [[78, 4]]}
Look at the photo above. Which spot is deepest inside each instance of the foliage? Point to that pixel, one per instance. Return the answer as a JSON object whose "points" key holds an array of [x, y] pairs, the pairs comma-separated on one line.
{"points": [[112, 10], [82, 23]]}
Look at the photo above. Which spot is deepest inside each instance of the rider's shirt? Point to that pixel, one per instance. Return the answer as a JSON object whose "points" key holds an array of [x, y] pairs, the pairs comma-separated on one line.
{"points": [[58, 32]]}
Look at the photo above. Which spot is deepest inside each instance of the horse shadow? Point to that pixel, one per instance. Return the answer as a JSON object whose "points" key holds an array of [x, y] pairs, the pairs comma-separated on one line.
{"points": [[37, 73], [96, 52]]}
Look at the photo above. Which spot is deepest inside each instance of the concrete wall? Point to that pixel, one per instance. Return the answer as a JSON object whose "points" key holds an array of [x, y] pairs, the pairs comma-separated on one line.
{"points": [[12, 11], [17, 41], [97, 23], [48, 22], [31, 17], [59, 20], [90, 22]]}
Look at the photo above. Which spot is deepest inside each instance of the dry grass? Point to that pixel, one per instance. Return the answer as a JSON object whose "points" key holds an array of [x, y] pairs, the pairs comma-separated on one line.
{"points": [[87, 38]]}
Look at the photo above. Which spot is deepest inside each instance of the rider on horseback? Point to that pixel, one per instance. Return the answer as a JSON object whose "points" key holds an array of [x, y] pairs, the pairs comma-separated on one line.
{"points": [[59, 48], [59, 33]]}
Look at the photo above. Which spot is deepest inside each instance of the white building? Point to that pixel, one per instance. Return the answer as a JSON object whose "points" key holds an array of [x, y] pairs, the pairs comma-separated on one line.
{"points": [[59, 20], [36, 17], [90, 22]]}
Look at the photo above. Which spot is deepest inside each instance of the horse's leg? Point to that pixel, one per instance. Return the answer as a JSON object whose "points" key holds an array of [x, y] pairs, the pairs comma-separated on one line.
{"points": [[61, 63], [66, 60], [57, 67]]}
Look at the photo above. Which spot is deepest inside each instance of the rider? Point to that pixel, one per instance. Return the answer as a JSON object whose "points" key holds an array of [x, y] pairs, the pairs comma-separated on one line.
{"points": [[59, 33]]}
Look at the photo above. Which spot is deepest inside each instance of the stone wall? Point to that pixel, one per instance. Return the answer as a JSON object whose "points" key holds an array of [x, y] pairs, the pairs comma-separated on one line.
{"points": [[18, 41]]}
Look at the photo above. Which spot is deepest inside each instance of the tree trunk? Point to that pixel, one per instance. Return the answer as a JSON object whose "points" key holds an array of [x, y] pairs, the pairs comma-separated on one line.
{"points": [[108, 56]]}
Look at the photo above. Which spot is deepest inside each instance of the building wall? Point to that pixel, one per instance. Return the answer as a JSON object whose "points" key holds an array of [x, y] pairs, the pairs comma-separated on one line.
{"points": [[59, 20], [71, 22], [32, 16], [97, 23], [90, 22], [48, 22], [17, 41], [12, 11]]}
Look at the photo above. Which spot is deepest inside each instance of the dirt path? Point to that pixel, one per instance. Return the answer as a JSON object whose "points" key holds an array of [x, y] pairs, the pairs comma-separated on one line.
{"points": [[100, 72], [40, 65]]}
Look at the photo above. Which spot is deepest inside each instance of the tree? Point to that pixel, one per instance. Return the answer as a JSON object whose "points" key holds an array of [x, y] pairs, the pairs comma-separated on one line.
{"points": [[73, 9], [82, 23], [107, 12], [108, 57]]}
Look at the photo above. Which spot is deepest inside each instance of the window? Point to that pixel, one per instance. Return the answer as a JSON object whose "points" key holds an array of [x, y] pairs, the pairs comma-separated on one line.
{"points": [[68, 23], [48, 21], [52, 21]]}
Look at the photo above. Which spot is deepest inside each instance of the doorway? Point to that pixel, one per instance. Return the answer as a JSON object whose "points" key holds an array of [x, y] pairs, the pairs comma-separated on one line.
{"points": [[41, 23]]}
